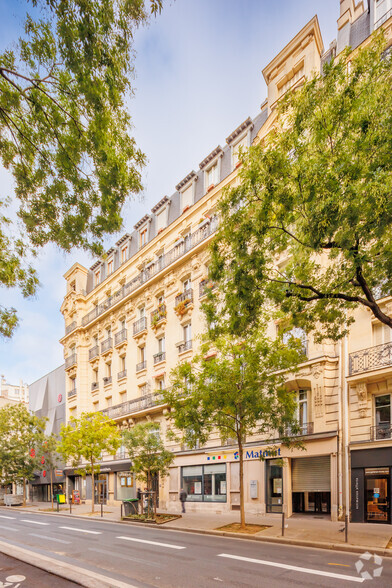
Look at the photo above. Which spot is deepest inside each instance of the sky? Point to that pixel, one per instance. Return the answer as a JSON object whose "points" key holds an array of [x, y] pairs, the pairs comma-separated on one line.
{"points": [[198, 76]]}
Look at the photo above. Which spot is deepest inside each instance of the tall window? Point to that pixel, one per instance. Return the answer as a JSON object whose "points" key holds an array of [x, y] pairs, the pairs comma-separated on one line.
{"points": [[235, 157], [142, 354], [161, 345], [124, 253], [383, 416], [143, 237], [211, 176], [97, 277], [187, 284], [161, 384], [110, 266], [303, 408], [142, 312], [187, 197], [187, 331], [161, 220]]}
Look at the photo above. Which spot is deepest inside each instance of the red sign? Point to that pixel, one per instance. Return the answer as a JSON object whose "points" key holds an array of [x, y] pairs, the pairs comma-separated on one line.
{"points": [[44, 473], [60, 397], [42, 459], [32, 453]]}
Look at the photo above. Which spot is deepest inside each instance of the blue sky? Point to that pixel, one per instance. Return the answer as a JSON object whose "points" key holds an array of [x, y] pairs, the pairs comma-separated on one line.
{"points": [[198, 76]]}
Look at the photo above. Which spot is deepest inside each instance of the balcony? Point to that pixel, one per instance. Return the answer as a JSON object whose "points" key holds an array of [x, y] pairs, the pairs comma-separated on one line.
{"points": [[141, 366], [93, 352], [70, 361], [304, 429], [186, 297], [70, 327], [139, 326], [372, 358], [107, 380], [72, 393], [122, 375], [94, 386], [186, 346], [158, 357], [158, 315], [381, 431], [132, 406], [120, 337], [148, 273], [204, 286], [106, 345]]}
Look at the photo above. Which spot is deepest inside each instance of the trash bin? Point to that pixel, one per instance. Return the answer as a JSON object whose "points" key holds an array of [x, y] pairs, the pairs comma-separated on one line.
{"points": [[130, 506]]}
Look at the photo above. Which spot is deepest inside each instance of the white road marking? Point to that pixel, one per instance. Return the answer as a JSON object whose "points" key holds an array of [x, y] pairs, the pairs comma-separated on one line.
{"points": [[50, 538], [152, 542], [293, 568], [145, 562], [34, 522], [8, 528], [82, 530], [5, 517]]}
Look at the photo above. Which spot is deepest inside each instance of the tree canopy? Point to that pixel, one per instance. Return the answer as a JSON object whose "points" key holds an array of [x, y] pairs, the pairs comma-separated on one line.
{"points": [[21, 444], [65, 131], [84, 439], [235, 386], [308, 226]]}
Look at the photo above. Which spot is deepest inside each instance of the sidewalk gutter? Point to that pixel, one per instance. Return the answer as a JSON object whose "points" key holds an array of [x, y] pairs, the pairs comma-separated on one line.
{"points": [[76, 574]]}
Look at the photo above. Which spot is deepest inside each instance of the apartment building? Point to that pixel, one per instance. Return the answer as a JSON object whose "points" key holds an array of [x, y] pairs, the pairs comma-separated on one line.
{"points": [[132, 316], [17, 392]]}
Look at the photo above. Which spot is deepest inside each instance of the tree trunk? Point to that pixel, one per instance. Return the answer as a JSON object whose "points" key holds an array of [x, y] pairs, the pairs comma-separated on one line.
{"points": [[24, 491], [93, 486], [51, 487], [242, 505], [148, 493]]}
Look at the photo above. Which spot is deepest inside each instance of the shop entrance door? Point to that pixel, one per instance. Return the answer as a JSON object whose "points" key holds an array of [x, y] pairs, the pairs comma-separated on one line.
{"points": [[100, 489], [377, 497]]}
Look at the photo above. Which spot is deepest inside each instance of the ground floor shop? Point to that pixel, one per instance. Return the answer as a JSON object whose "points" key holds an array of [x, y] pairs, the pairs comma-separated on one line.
{"points": [[114, 482], [275, 479], [40, 487], [371, 482]]}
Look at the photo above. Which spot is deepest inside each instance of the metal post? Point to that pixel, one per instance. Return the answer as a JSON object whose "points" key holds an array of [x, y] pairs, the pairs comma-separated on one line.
{"points": [[101, 509], [282, 522], [121, 511], [70, 505], [57, 506], [346, 528]]}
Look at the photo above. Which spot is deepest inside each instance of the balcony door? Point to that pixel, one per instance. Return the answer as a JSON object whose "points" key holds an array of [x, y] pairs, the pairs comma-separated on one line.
{"points": [[377, 488], [383, 416]]}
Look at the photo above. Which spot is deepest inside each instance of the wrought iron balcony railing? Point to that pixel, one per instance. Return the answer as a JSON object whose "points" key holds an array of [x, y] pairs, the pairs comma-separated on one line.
{"points": [[304, 429], [70, 361], [141, 366], [139, 325], [120, 337], [186, 297], [93, 352], [72, 393], [136, 405], [158, 314], [122, 375], [145, 275], [106, 345], [381, 431], [204, 286], [161, 356], [185, 346], [70, 327], [372, 358]]}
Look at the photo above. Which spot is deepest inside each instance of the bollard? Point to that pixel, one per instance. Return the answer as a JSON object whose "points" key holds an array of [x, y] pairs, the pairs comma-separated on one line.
{"points": [[70, 506], [346, 528], [122, 510], [282, 522], [57, 506], [101, 509]]}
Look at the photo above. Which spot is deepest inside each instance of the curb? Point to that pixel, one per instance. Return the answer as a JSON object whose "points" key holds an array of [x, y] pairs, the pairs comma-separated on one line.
{"points": [[80, 576]]}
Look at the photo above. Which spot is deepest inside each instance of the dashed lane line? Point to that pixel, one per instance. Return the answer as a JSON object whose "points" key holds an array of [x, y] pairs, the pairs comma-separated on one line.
{"points": [[127, 557], [50, 538], [34, 522], [8, 528], [5, 517], [82, 530], [283, 566], [170, 545]]}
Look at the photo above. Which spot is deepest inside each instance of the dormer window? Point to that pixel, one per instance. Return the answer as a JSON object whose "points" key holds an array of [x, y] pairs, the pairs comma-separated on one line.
{"points": [[211, 177], [161, 221], [124, 253], [187, 197], [110, 266], [243, 143], [143, 237], [97, 277]]}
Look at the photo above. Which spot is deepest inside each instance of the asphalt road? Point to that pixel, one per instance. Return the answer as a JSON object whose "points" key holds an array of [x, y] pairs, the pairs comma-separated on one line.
{"points": [[146, 557], [14, 573]]}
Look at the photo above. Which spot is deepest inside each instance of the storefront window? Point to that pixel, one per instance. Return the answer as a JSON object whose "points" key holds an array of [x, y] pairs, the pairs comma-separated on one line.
{"points": [[274, 473], [205, 483], [125, 487]]}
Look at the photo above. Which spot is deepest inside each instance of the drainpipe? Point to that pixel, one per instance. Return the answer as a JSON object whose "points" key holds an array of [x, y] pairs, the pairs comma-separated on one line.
{"points": [[340, 433], [345, 430]]}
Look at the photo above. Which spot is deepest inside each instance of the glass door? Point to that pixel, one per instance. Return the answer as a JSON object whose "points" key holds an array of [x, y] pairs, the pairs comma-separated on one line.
{"points": [[377, 498]]}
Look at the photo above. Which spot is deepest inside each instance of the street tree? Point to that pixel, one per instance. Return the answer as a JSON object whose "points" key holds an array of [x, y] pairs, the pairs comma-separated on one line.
{"points": [[308, 225], [65, 131], [235, 386], [83, 440], [21, 438], [51, 457], [148, 454]]}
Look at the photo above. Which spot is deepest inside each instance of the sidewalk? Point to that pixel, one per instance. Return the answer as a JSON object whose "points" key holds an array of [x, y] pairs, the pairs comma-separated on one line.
{"points": [[305, 530]]}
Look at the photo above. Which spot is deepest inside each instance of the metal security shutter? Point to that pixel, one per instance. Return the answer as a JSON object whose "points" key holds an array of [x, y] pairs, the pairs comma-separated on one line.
{"points": [[311, 474]]}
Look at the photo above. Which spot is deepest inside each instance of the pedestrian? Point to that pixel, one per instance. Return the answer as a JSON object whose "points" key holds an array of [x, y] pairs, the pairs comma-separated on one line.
{"points": [[183, 497], [139, 498]]}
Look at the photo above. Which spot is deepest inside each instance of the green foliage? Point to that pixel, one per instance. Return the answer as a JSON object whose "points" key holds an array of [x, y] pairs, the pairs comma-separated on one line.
{"points": [[308, 227], [85, 438], [147, 452], [20, 433], [65, 130]]}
